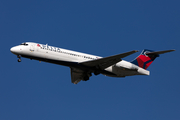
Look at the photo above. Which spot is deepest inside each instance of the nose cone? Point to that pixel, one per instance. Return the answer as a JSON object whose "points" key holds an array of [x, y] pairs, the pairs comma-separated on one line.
{"points": [[15, 50]]}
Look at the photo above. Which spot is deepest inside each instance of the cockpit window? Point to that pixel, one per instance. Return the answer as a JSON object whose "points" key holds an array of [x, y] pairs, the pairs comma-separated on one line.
{"points": [[25, 44]]}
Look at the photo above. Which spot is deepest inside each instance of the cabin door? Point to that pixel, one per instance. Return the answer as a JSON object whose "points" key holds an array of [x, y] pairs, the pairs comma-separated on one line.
{"points": [[32, 48]]}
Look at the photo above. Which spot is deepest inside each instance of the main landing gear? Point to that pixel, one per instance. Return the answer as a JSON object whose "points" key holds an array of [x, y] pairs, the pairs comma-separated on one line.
{"points": [[19, 60], [86, 77]]}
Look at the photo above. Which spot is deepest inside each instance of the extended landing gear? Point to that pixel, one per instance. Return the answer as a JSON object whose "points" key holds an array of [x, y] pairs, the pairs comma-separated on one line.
{"points": [[19, 60], [86, 77], [96, 73]]}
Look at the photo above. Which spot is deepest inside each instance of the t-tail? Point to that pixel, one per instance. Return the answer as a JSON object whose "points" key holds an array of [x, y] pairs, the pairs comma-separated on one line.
{"points": [[147, 57]]}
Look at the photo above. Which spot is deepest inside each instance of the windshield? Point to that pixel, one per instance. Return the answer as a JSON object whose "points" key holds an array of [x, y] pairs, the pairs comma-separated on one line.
{"points": [[24, 44]]}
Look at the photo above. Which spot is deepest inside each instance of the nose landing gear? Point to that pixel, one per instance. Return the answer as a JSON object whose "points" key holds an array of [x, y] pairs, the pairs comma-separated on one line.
{"points": [[19, 60]]}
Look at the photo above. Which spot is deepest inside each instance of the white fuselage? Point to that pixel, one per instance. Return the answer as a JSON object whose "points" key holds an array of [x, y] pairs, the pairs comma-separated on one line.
{"points": [[70, 58]]}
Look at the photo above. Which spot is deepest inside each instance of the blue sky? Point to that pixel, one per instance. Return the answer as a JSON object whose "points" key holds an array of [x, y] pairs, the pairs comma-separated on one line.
{"points": [[32, 90]]}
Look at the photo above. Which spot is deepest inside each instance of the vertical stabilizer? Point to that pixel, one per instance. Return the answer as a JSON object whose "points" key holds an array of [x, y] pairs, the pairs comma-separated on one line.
{"points": [[144, 60], [147, 57]]}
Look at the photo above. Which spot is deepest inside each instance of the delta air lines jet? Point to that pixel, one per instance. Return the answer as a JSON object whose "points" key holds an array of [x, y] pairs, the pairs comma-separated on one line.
{"points": [[83, 65]]}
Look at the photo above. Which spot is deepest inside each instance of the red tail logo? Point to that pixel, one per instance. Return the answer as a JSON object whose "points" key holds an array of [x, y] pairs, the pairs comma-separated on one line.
{"points": [[144, 60]]}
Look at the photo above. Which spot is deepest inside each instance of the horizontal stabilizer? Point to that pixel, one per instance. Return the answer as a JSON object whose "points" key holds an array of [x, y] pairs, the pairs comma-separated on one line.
{"points": [[159, 52]]}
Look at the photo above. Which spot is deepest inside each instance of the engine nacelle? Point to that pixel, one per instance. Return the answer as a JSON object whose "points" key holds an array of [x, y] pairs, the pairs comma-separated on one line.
{"points": [[126, 65]]}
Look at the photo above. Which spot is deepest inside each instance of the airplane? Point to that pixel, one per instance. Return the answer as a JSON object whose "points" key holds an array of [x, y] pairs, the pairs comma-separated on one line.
{"points": [[83, 65]]}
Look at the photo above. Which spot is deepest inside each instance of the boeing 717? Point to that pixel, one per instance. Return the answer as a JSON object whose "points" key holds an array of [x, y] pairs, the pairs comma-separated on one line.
{"points": [[83, 65]]}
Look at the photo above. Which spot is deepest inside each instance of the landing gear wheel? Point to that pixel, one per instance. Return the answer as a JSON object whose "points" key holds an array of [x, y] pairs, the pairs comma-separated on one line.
{"points": [[19, 56], [19, 60]]}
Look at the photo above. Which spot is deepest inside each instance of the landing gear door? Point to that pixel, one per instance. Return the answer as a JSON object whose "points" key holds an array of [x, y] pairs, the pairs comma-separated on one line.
{"points": [[32, 48]]}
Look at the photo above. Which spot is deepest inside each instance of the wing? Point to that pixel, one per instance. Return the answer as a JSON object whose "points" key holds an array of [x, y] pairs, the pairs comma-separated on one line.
{"points": [[103, 63], [95, 65]]}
